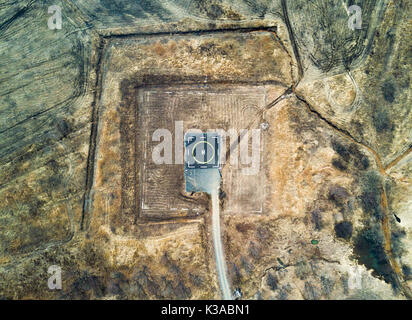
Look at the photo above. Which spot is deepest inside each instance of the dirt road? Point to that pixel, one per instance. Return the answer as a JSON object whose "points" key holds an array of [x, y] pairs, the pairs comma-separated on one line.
{"points": [[217, 242]]}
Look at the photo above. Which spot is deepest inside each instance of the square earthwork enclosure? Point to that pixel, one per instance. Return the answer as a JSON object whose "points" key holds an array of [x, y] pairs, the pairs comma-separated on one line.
{"points": [[204, 81]]}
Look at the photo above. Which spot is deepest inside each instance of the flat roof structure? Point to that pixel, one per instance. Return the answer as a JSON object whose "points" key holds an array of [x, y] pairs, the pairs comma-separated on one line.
{"points": [[202, 165], [202, 150]]}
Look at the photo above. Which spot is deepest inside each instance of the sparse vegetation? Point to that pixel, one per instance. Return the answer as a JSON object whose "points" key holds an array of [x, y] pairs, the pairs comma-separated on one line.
{"points": [[388, 91], [272, 281], [344, 230], [407, 272], [254, 250], [284, 292], [327, 285], [382, 120], [302, 270], [371, 193], [397, 234], [369, 248], [348, 155], [338, 195], [339, 164], [317, 219], [341, 150], [310, 292], [369, 242]]}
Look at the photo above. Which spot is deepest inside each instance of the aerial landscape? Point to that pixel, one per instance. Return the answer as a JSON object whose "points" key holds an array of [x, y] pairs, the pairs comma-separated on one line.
{"points": [[206, 150]]}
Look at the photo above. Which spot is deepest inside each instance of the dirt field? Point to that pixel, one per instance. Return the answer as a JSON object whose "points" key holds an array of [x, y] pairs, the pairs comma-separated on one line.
{"points": [[206, 108], [208, 96]]}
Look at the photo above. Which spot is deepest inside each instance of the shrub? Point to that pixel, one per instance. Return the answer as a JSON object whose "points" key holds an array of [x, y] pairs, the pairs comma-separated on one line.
{"points": [[317, 219], [370, 197], [339, 164], [341, 150], [343, 230], [272, 281], [396, 241], [388, 90], [382, 121], [369, 248], [338, 195]]}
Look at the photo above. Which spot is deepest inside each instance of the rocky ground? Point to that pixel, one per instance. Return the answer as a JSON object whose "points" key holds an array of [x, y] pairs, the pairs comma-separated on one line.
{"points": [[336, 220]]}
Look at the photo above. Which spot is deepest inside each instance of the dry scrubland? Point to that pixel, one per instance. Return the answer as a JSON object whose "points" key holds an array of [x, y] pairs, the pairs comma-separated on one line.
{"points": [[336, 173]]}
